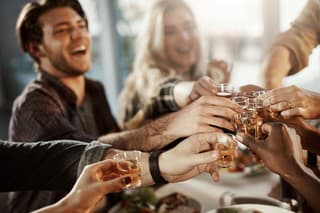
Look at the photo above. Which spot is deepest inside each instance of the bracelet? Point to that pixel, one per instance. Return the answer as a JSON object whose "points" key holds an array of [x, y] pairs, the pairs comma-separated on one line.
{"points": [[154, 168]]}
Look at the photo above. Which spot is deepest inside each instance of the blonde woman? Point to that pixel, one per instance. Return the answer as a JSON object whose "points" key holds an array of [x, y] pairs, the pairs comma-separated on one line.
{"points": [[169, 64]]}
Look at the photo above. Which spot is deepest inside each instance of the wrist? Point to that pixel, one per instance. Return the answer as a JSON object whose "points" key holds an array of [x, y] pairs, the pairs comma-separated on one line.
{"points": [[182, 91], [156, 168], [292, 171], [66, 204], [163, 166]]}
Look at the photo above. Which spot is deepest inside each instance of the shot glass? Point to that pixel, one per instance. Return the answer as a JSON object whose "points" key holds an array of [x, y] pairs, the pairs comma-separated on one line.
{"points": [[224, 90], [226, 151], [134, 158], [241, 100]]}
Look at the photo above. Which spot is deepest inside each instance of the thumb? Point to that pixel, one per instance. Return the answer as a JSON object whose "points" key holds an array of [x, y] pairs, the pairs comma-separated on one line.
{"points": [[249, 142]]}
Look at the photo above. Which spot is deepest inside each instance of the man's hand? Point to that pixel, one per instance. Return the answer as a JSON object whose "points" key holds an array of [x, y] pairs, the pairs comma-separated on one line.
{"points": [[193, 156], [280, 151], [206, 114], [293, 101]]}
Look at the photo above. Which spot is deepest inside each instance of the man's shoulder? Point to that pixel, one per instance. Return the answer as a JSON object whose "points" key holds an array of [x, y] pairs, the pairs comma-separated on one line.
{"points": [[94, 84], [36, 94]]}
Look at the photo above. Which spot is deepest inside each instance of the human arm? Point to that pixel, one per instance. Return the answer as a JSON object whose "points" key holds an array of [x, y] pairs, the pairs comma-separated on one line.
{"points": [[46, 165], [206, 114], [293, 101], [275, 67], [281, 152], [189, 158], [175, 94], [291, 50], [309, 134], [192, 157]]}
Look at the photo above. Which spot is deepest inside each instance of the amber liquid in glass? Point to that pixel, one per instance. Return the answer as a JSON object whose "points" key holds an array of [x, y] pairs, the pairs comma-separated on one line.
{"points": [[224, 94]]}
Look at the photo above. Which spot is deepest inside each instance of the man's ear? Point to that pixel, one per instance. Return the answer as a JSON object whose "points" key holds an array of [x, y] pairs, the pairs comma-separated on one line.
{"points": [[35, 50]]}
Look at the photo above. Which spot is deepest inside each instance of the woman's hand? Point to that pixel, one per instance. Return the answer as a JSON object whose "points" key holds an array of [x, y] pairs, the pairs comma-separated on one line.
{"points": [[293, 101], [204, 86], [95, 181]]}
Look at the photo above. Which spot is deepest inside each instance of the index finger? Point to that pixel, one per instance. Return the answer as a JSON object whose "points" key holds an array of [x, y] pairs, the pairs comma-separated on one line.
{"points": [[224, 102], [208, 140]]}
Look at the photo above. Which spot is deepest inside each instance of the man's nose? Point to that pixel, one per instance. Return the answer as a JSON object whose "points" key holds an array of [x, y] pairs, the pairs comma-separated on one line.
{"points": [[77, 33]]}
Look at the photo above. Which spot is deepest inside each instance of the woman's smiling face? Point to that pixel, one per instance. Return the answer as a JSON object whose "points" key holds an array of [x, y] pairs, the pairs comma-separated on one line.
{"points": [[181, 41]]}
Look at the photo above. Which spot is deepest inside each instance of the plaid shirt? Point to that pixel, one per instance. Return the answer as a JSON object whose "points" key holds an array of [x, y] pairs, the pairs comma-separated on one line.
{"points": [[164, 102]]}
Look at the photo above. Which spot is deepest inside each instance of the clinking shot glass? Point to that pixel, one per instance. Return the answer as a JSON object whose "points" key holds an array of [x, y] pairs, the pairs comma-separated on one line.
{"points": [[134, 158], [226, 150]]}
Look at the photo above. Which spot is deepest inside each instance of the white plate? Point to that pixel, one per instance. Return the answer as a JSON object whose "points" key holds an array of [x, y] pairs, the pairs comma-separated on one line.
{"points": [[243, 208], [248, 171]]}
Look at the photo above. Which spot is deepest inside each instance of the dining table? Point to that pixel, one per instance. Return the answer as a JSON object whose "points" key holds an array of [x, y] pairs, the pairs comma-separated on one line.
{"points": [[209, 193]]}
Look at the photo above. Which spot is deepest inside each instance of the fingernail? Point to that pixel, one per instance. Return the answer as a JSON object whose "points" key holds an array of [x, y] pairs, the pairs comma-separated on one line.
{"points": [[126, 180]]}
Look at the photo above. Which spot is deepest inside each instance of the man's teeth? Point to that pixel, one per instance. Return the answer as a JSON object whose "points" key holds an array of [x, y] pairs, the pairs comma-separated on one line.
{"points": [[79, 49]]}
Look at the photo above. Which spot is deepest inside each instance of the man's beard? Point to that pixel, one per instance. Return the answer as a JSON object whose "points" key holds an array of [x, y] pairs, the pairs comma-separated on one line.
{"points": [[66, 69]]}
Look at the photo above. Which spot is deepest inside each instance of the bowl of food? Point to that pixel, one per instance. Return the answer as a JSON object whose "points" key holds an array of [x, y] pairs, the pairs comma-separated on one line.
{"points": [[145, 200]]}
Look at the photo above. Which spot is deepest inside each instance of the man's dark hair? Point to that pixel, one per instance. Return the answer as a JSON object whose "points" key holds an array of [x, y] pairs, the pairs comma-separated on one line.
{"points": [[28, 27]]}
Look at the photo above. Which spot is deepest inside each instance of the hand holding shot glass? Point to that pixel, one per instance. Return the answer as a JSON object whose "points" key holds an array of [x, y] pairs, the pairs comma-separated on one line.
{"points": [[227, 151], [133, 157], [251, 119], [224, 90]]}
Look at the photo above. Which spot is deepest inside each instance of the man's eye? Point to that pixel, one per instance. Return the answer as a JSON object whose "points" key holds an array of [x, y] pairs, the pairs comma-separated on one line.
{"points": [[62, 30], [83, 26]]}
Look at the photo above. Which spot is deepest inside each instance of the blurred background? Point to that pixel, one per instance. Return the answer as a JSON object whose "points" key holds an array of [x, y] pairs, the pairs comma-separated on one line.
{"points": [[237, 31]]}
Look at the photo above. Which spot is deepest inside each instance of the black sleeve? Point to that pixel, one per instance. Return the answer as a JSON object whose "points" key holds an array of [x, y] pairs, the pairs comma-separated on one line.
{"points": [[49, 165]]}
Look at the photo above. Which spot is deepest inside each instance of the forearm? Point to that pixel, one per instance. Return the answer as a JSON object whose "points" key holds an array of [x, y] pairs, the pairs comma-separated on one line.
{"points": [[40, 166], [182, 91], [275, 67], [65, 205], [152, 136], [306, 183], [57, 207], [311, 141]]}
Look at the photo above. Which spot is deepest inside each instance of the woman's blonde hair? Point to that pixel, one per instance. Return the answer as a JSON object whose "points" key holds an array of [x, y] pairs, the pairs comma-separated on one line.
{"points": [[151, 64]]}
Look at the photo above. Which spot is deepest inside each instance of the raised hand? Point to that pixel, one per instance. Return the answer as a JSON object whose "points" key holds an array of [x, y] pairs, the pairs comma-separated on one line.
{"points": [[293, 101], [206, 114], [193, 156]]}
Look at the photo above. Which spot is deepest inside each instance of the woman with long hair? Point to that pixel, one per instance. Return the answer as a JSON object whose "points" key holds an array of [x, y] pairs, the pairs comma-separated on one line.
{"points": [[169, 54]]}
